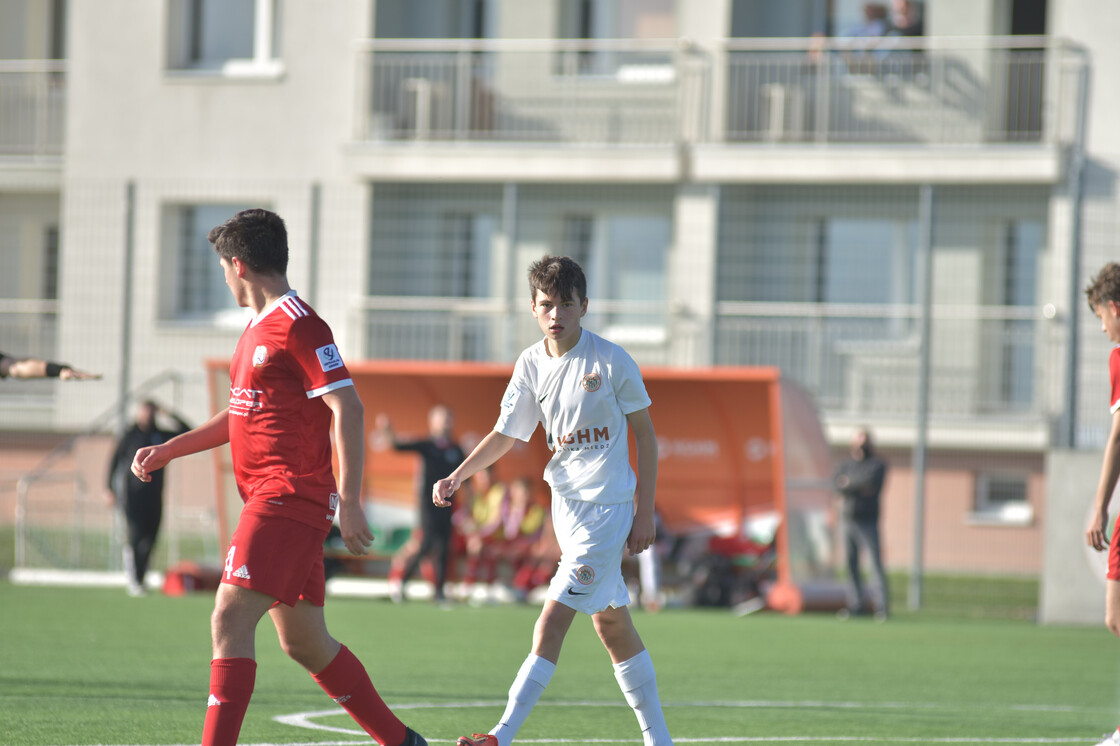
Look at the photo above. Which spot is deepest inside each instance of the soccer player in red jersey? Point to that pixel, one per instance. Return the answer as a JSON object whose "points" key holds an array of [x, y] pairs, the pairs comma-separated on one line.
{"points": [[1103, 295], [287, 383]]}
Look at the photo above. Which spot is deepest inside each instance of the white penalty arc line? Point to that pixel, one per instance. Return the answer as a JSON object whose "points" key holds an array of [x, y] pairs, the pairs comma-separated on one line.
{"points": [[306, 720]]}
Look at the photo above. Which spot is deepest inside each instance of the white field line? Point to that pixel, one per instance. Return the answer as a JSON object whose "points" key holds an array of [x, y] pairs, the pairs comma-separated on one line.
{"points": [[305, 720]]}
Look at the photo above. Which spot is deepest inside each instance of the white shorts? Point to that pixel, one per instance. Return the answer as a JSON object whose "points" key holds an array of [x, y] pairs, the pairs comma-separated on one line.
{"points": [[592, 539]]}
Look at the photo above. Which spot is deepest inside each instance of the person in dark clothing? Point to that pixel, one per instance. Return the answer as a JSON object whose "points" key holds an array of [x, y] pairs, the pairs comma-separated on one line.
{"points": [[439, 455], [142, 502], [859, 480]]}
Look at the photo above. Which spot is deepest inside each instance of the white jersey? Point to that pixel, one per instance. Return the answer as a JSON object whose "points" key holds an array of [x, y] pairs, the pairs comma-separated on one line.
{"points": [[582, 399]]}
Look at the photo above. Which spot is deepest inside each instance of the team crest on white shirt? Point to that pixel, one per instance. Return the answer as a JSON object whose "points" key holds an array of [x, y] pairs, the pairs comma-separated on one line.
{"points": [[260, 356], [592, 382]]}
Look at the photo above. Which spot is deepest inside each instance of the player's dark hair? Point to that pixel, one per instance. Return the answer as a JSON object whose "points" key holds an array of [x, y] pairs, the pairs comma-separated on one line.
{"points": [[557, 275], [256, 237], [1104, 287]]}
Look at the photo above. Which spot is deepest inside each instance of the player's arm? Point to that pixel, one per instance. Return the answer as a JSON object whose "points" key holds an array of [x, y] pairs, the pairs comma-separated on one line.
{"points": [[643, 531], [490, 449], [1097, 534], [349, 437], [213, 433], [36, 368]]}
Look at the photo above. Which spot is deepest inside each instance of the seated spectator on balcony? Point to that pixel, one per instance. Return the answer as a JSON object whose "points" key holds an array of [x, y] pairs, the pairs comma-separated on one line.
{"points": [[31, 367]]}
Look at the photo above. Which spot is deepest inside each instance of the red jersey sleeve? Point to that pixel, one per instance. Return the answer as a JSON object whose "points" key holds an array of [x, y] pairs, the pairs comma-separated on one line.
{"points": [[1114, 380], [315, 357]]}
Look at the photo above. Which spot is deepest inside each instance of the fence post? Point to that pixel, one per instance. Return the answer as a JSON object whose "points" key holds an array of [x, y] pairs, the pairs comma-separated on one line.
{"points": [[925, 227]]}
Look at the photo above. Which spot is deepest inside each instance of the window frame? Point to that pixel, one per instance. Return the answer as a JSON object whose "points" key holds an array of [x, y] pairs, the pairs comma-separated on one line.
{"points": [[183, 36], [989, 512]]}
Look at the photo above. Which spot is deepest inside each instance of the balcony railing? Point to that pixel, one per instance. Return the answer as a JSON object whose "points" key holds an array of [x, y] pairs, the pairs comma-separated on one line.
{"points": [[486, 329], [32, 107], [625, 92], [989, 362], [889, 90], [931, 90]]}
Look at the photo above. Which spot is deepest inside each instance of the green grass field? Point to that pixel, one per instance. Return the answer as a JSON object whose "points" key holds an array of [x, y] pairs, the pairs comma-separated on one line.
{"points": [[84, 667]]}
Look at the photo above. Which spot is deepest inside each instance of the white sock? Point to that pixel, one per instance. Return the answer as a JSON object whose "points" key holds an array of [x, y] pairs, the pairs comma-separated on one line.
{"points": [[531, 680], [638, 682]]}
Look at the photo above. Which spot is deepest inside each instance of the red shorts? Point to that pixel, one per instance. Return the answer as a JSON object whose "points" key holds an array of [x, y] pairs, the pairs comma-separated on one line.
{"points": [[279, 557], [1114, 553]]}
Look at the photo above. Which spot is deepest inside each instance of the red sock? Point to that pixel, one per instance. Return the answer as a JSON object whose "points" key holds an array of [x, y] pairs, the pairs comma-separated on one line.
{"points": [[231, 688], [345, 681]]}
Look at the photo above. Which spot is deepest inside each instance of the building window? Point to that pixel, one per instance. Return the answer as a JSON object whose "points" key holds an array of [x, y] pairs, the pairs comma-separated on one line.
{"points": [[625, 258], [594, 20], [229, 37], [1001, 499], [195, 288], [1023, 243]]}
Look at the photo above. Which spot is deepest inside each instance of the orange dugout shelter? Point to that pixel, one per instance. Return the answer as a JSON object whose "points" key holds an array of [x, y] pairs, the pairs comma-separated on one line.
{"points": [[738, 447]]}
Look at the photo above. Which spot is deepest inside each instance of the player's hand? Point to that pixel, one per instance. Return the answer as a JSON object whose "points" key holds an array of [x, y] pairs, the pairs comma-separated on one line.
{"points": [[69, 374], [356, 533], [147, 460], [1096, 535], [443, 490], [642, 535]]}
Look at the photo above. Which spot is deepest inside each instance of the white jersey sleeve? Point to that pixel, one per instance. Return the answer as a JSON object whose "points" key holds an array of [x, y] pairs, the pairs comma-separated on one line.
{"points": [[520, 411], [630, 391]]}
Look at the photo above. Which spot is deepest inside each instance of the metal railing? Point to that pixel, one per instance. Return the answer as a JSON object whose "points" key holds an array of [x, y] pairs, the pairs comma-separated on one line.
{"points": [[992, 363], [32, 107], [488, 329], [989, 363], [916, 90], [551, 90], [891, 90]]}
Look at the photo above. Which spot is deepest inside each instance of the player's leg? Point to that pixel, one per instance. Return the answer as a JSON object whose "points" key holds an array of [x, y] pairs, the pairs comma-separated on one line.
{"points": [[441, 555], [1112, 620], [147, 530], [633, 669], [128, 554], [533, 676], [233, 668], [855, 584], [303, 634], [1112, 606], [870, 531]]}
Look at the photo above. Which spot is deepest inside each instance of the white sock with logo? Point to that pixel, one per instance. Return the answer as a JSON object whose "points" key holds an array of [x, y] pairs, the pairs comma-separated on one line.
{"points": [[638, 682], [531, 679]]}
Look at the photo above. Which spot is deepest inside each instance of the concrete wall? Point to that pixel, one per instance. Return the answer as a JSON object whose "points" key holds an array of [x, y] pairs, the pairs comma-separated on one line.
{"points": [[1073, 576]]}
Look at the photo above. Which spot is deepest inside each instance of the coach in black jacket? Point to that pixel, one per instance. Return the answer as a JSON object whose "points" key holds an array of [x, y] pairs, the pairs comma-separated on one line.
{"points": [[142, 502]]}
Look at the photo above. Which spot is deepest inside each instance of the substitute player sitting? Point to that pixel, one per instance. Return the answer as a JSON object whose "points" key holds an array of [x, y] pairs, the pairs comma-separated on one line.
{"points": [[287, 382], [585, 391]]}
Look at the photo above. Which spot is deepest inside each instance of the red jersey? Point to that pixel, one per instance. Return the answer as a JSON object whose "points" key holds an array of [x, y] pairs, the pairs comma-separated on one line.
{"points": [[1114, 379], [279, 428]]}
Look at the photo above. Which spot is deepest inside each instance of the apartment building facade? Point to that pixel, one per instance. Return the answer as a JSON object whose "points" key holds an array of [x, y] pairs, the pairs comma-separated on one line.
{"points": [[902, 225]]}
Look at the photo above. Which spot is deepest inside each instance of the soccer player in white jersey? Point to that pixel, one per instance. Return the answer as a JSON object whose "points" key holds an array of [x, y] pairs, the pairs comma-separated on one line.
{"points": [[585, 391], [1103, 295], [287, 385]]}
